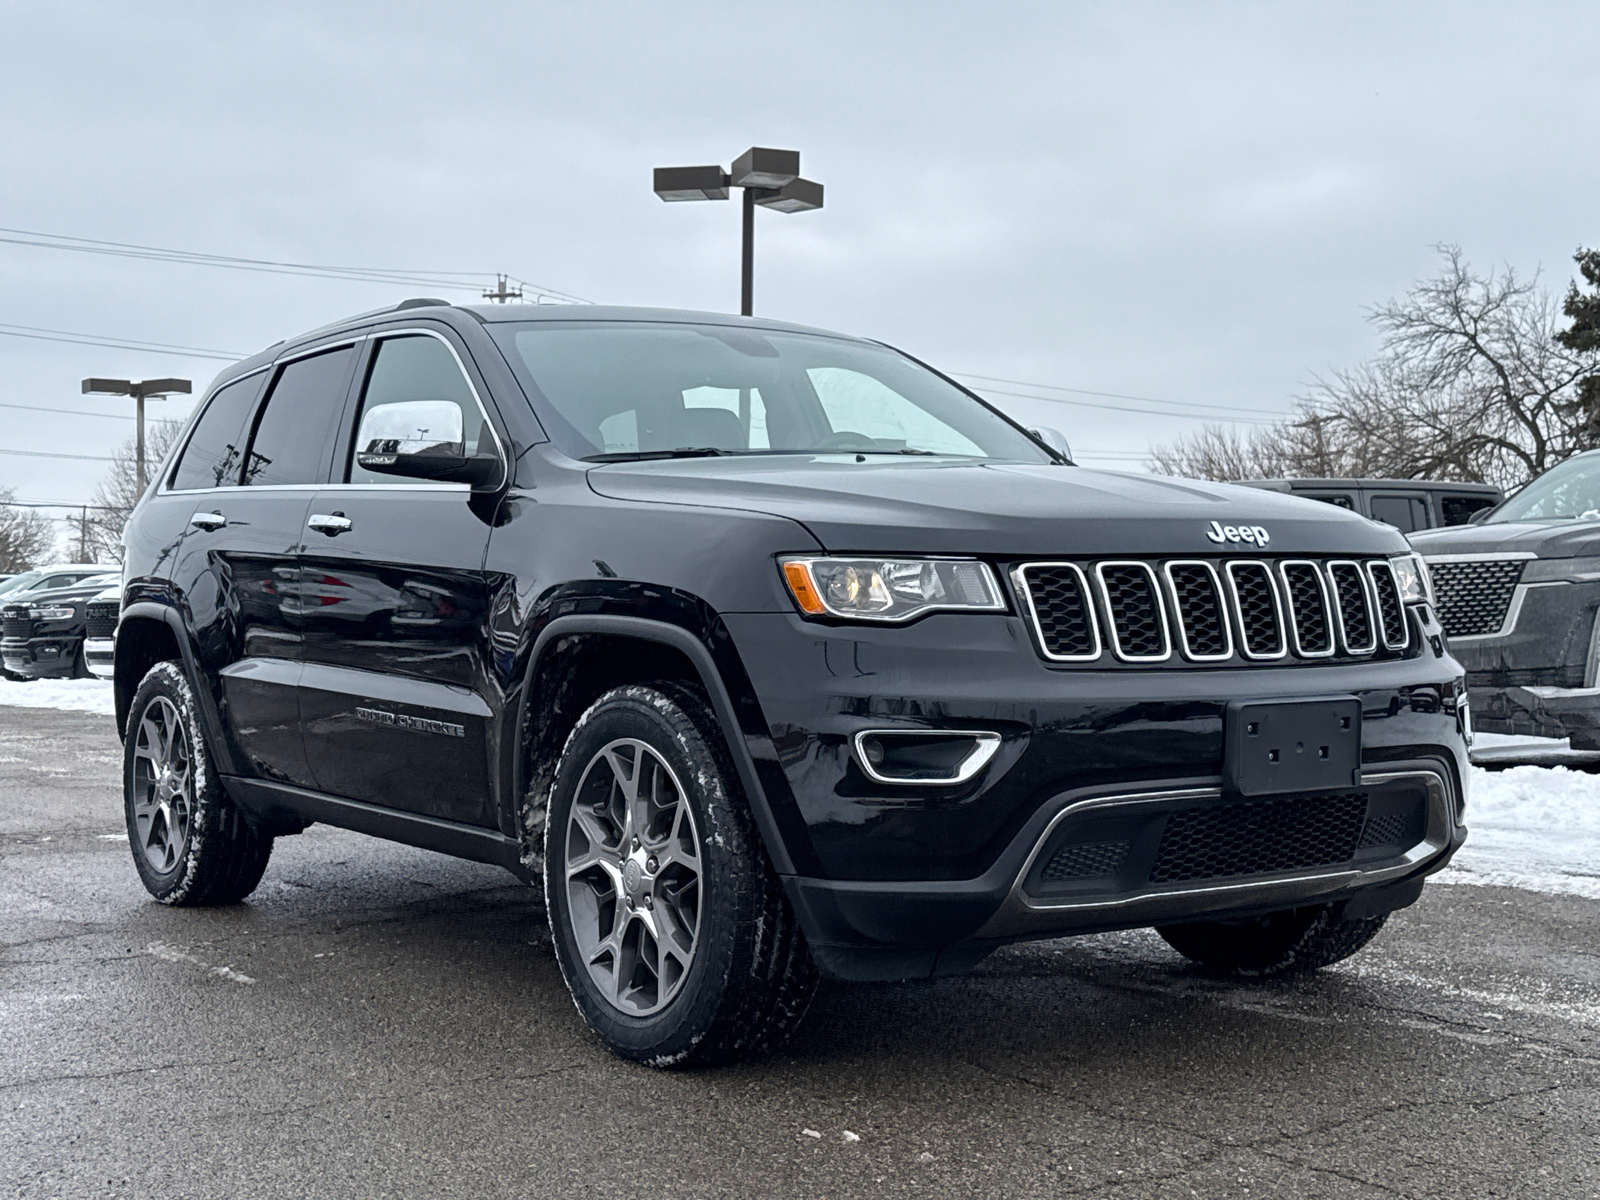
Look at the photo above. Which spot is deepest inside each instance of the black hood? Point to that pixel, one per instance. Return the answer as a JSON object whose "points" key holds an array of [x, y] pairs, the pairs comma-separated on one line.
{"points": [[1547, 539], [957, 506], [60, 595]]}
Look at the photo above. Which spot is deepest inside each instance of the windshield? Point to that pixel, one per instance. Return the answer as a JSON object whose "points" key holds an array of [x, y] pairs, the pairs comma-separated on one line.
{"points": [[1569, 491], [614, 390], [20, 582]]}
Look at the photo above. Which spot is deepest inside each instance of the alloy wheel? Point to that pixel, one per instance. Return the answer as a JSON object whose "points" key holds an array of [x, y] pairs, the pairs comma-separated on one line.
{"points": [[633, 877], [163, 785]]}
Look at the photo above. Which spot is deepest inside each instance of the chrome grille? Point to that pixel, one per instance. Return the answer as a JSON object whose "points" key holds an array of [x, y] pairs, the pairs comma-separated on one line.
{"points": [[1473, 597], [100, 619], [1212, 611], [1138, 619], [1308, 609], [1391, 615], [1353, 608], [1255, 597]]}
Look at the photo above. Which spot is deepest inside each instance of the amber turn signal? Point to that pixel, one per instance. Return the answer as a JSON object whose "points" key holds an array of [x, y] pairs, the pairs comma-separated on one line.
{"points": [[805, 595]]}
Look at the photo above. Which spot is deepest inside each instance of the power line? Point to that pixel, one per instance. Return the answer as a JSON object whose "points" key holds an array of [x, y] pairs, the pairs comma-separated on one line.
{"points": [[92, 339], [449, 280], [53, 504], [1123, 408], [1056, 387], [71, 412], [51, 454]]}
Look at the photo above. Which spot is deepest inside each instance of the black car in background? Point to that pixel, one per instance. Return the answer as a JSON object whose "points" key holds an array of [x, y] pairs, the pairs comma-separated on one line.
{"points": [[1407, 504], [41, 633], [768, 652], [1517, 591]]}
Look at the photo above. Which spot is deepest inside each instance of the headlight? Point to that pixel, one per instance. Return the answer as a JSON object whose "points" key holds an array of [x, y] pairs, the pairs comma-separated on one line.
{"points": [[889, 589], [51, 614], [1411, 573]]}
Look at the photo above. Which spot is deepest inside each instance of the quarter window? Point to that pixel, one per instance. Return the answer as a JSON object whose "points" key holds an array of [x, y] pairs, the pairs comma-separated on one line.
{"points": [[294, 429], [211, 459], [408, 370]]}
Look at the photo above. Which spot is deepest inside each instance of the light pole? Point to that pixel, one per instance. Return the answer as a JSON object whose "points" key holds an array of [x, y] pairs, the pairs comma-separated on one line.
{"points": [[770, 178], [140, 390]]}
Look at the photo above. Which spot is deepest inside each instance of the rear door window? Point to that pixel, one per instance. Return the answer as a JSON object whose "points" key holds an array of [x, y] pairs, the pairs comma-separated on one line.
{"points": [[1458, 510], [296, 427], [215, 449], [1337, 499], [1405, 513]]}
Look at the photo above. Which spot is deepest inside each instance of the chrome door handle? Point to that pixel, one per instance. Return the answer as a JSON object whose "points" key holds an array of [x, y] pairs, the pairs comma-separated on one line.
{"points": [[331, 524], [208, 521]]}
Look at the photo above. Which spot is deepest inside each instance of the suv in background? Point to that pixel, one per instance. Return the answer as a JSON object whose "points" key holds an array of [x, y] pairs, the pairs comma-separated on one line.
{"points": [[41, 631], [100, 632], [767, 651], [1517, 592], [1407, 504]]}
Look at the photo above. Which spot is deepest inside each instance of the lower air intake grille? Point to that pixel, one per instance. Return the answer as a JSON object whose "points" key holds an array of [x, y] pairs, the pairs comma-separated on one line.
{"points": [[1087, 861], [1259, 838], [1473, 596], [100, 619]]}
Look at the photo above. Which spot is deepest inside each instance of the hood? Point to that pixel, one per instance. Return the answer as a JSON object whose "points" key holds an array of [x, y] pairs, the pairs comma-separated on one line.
{"points": [[957, 506], [68, 594], [1547, 539]]}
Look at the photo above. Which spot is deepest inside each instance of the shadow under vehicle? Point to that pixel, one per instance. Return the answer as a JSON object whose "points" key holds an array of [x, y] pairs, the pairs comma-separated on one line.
{"points": [[768, 652]]}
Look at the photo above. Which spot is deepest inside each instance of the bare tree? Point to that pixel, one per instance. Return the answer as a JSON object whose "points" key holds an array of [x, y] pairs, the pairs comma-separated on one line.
{"points": [[25, 535], [1472, 382], [118, 492]]}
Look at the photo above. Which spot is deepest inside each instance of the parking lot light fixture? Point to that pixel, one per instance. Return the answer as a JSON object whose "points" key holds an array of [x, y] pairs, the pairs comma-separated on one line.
{"points": [[770, 178], [141, 390]]}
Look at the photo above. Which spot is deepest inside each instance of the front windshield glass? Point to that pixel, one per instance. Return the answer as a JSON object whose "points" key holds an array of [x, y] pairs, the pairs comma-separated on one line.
{"points": [[20, 582], [1570, 491], [615, 390]]}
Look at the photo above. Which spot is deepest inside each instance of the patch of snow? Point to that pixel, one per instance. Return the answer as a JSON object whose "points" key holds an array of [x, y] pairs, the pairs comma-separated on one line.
{"points": [[75, 695], [1515, 748], [1531, 827]]}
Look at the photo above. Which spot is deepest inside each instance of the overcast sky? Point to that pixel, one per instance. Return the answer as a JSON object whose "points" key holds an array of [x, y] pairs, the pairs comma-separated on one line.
{"points": [[1194, 203]]}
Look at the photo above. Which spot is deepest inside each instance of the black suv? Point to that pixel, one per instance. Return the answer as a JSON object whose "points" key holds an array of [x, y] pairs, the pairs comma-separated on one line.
{"points": [[41, 633], [767, 650]]}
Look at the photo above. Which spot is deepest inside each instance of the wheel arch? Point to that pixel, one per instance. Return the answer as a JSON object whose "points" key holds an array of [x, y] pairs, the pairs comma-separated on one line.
{"points": [[575, 658], [148, 633]]}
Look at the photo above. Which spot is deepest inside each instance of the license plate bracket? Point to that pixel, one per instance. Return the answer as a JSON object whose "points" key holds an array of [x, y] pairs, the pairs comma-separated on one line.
{"points": [[1274, 746]]}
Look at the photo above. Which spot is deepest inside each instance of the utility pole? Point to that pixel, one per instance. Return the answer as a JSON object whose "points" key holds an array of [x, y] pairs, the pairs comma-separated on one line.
{"points": [[83, 535], [503, 294], [140, 390]]}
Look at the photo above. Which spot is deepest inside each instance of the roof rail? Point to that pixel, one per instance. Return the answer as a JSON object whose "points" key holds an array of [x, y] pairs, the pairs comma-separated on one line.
{"points": [[420, 302]]}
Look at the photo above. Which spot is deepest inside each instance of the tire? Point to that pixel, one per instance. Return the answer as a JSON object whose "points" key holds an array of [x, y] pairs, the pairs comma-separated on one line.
{"points": [[191, 846], [1290, 942], [649, 843]]}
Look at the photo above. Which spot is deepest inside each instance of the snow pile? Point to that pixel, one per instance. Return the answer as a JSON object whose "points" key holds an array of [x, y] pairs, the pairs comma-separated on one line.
{"points": [[78, 695], [1532, 827]]}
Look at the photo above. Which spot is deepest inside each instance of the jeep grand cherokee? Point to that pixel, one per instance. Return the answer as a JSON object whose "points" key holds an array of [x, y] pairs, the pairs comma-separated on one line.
{"points": [[768, 652]]}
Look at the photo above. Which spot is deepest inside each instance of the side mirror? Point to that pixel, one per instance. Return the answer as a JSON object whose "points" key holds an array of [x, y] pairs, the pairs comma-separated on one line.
{"points": [[421, 439], [1478, 516], [1053, 439]]}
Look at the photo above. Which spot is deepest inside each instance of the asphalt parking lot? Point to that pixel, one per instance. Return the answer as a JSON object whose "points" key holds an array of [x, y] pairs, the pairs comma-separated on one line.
{"points": [[381, 1021]]}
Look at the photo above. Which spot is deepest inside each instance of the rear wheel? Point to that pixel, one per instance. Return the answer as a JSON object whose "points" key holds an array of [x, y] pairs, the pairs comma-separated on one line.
{"points": [[670, 927], [1280, 943], [190, 844]]}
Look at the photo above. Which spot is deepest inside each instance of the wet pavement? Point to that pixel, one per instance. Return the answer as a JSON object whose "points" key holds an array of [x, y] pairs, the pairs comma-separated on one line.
{"points": [[382, 1021]]}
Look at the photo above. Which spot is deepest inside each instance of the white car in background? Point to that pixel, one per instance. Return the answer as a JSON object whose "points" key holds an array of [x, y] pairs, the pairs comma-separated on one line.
{"points": [[100, 632]]}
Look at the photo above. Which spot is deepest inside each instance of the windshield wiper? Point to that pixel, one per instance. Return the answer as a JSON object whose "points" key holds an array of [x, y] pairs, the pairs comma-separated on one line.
{"points": [[641, 455]]}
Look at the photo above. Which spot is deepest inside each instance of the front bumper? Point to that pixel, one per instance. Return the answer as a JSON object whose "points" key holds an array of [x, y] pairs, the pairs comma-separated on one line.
{"points": [[40, 657], [100, 657]]}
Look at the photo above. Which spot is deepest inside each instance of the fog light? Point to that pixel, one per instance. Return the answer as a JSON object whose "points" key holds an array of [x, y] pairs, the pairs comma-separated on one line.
{"points": [[924, 756]]}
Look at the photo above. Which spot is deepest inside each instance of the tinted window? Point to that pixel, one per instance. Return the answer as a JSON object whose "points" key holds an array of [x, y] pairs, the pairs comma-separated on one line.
{"points": [[406, 369], [1405, 513], [1456, 510], [293, 431], [211, 459], [1331, 498]]}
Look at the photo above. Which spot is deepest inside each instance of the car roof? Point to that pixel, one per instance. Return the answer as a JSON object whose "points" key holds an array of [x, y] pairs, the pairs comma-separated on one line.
{"points": [[1398, 484]]}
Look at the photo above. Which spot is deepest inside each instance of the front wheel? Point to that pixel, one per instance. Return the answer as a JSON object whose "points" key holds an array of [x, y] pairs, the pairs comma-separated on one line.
{"points": [[190, 844], [1280, 943], [670, 927]]}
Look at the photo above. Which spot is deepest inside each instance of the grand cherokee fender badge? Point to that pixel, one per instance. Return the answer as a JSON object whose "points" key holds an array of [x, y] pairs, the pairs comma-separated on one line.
{"points": [[1253, 534], [400, 721]]}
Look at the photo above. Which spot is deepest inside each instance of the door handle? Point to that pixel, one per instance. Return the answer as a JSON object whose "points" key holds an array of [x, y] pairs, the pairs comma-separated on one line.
{"points": [[332, 524], [208, 521]]}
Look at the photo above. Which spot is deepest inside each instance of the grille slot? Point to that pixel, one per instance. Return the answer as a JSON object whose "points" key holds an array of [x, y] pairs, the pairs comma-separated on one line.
{"points": [[1202, 617], [1474, 597], [1354, 609], [1393, 829], [1391, 614], [1308, 609], [16, 624], [1259, 838], [1057, 594], [1133, 603], [1255, 598], [100, 619], [1087, 861]]}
